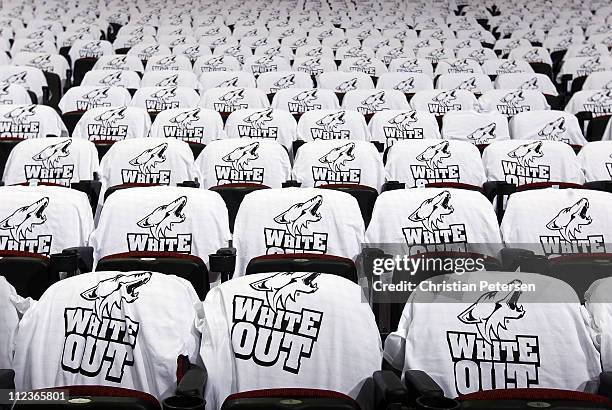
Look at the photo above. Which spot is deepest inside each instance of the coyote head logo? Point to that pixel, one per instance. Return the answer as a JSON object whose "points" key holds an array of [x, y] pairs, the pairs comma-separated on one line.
{"points": [[591, 64], [192, 51], [434, 155], [17, 78], [117, 63], [347, 85], [25, 218], [478, 55], [299, 216], [51, 155], [445, 97], [531, 84], [532, 56], [230, 82], [332, 121], [20, 114], [374, 102], [404, 120], [311, 64], [33, 46], [241, 156], [285, 286], [460, 65], [525, 154], [306, 96], [484, 134], [513, 98], [164, 217], [112, 79], [232, 97], [315, 52], [553, 130], [336, 158], [94, 96], [109, 117], [110, 293], [492, 311], [41, 61], [150, 50], [164, 95], [570, 220], [285, 82], [257, 119], [601, 97], [149, 158], [432, 211], [93, 47], [184, 119], [469, 84], [168, 81], [405, 86]]}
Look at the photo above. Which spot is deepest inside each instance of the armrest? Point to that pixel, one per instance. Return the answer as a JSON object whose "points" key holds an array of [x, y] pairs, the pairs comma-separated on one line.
{"points": [[292, 184], [193, 382], [605, 186], [513, 258], [388, 389], [7, 379], [189, 184], [85, 257], [605, 384], [392, 185], [223, 262], [418, 383]]}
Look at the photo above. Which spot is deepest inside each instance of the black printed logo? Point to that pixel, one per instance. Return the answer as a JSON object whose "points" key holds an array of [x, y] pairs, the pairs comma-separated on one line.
{"points": [[304, 101], [295, 236], [49, 169], [214, 64], [600, 103], [231, 101], [523, 170], [93, 49], [94, 98], [432, 168], [372, 103], [401, 127], [146, 163], [444, 102], [482, 135], [181, 126], [483, 359], [108, 129], [336, 170], [287, 81], [160, 224], [236, 168], [267, 331], [255, 125], [434, 235], [19, 124], [103, 337], [554, 130], [330, 127], [21, 224]]}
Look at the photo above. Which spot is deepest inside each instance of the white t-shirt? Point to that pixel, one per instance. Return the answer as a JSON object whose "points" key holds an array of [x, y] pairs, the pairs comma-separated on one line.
{"points": [[197, 125], [597, 303], [30, 121], [332, 124], [169, 78], [464, 348], [475, 127], [275, 124], [513, 101], [179, 220], [328, 314], [50, 343], [597, 102], [323, 162], [374, 100], [243, 160], [273, 81], [111, 78], [113, 124], [84, 98], [389, 126], [156, 99], [230, 99], [300, 100], [547, 125], [439, 102], [596, 160], [43, 219], [221, 79], [297, 220], [58, 161], [408, 83], [522, 162], [9, 321]]}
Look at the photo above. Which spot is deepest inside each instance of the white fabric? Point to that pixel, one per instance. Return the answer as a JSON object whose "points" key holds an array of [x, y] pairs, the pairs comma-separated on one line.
{"points": [[243, 160], [53, 333], [155, 99], [276, 124], [434, 220], [474, 127], [300, 100], [297, 220], [596, 160], [525, 161], [389, 126], [216, 63], [14, 94], [89, 49], [273, 81], [370, 66], [439, 102], [513, 101], [53, 63], [264, 64], [162, 161], [218, 79], [230, 99], [408, 83], [474, 83], [418, 162], [598, 80], [83, 98], [119, 62], [43, 219], [374, 100], [564, 222], [58, 161], [597, 102], [31, 78], [9, 320], [169, 78], [339, 162], [411, 65], [146, 50], [113, 124], [342, 82], [501, 66], [111, 78], [526, 81], [332, 124], [456, 350], [314, 65], [30, 121], [197, 125], [458, 65], [333, 326], [162, 219], [597, 303], [547, 125]]}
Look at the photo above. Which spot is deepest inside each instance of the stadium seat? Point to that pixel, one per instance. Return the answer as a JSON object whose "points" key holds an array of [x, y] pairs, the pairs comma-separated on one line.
{"points": [[162, 235]]}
